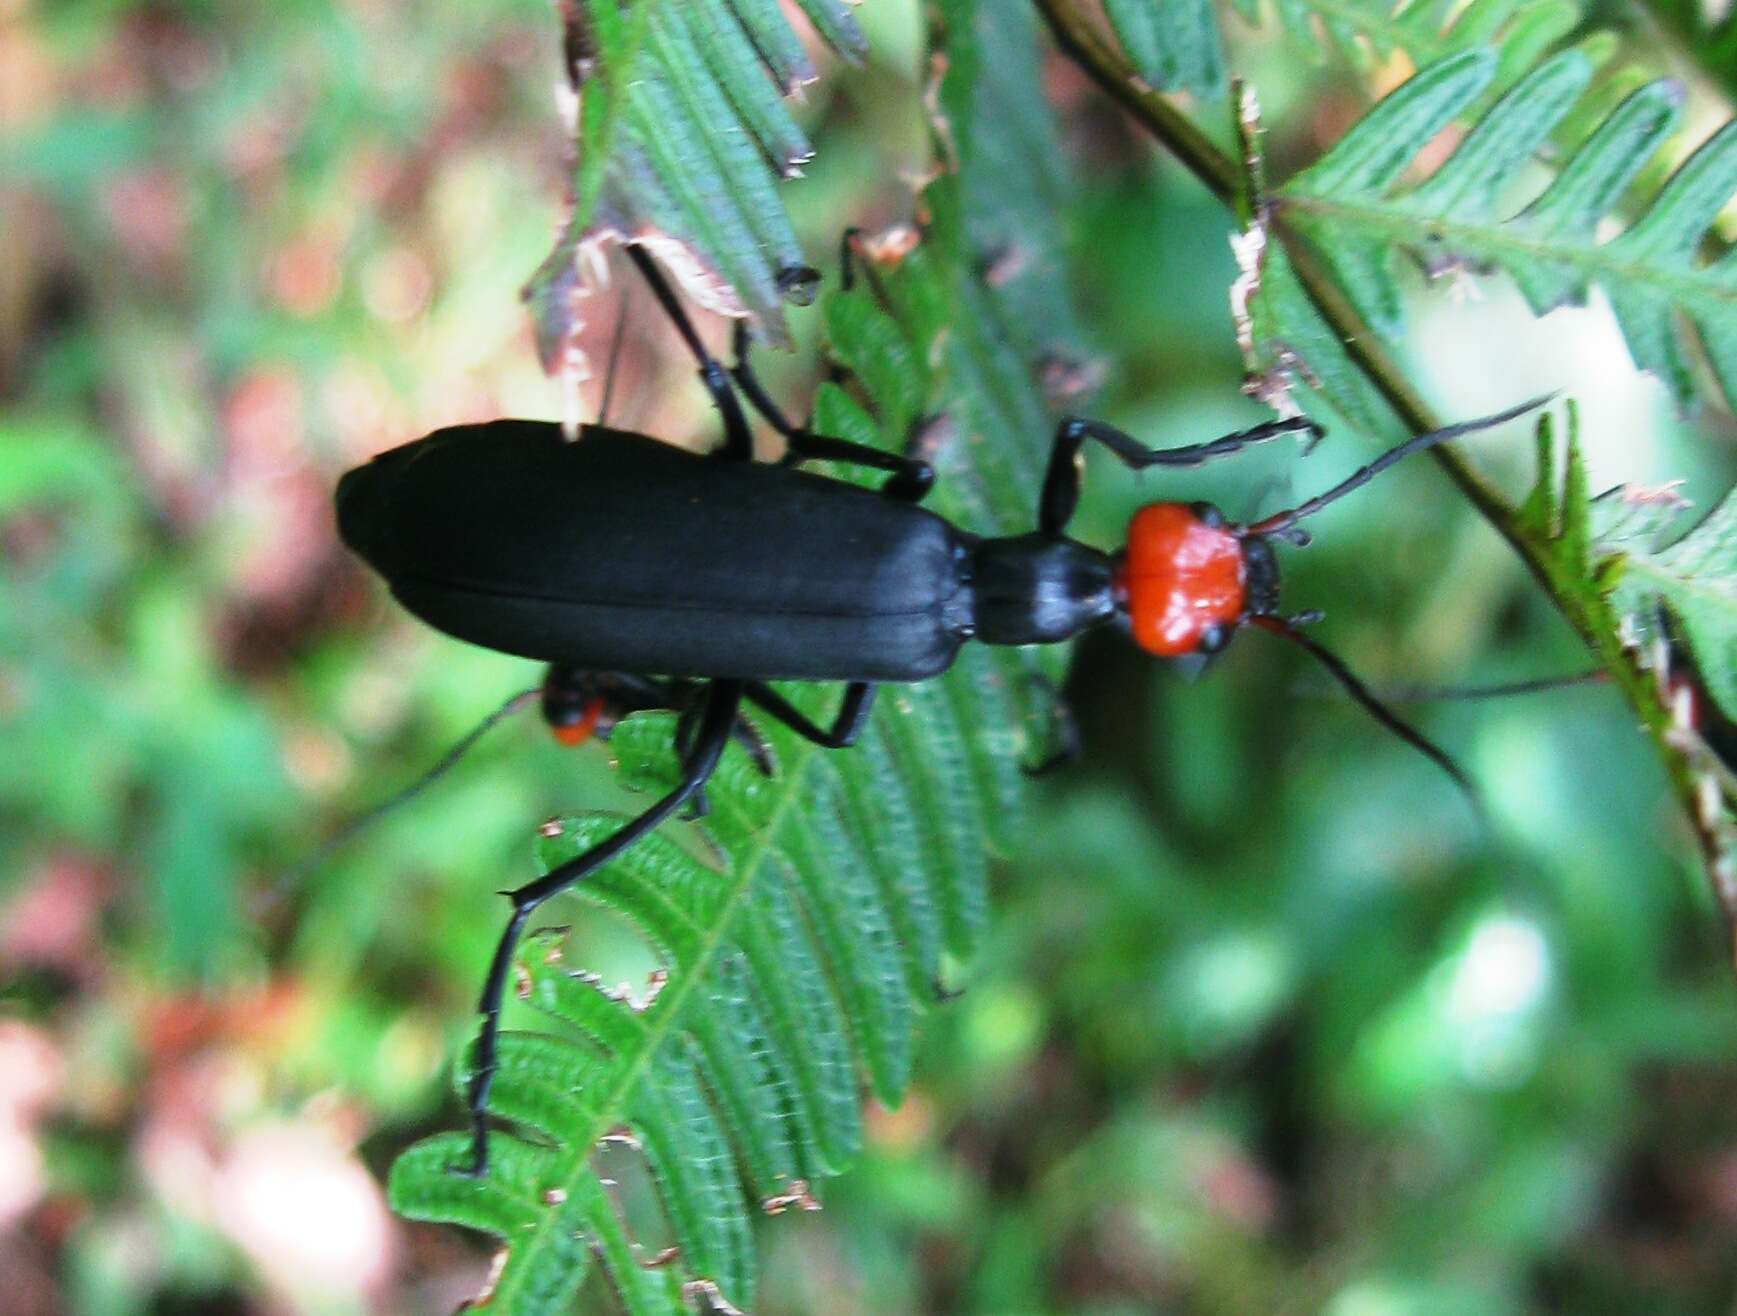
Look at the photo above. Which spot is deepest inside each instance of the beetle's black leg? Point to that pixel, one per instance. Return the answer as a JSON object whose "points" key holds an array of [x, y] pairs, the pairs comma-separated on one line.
{"points": [[738, 439], [681, 693], [854, 248], [855, 253], [1061, 482], [569, 691], [716, 725], [754, 745], [743, 373], [616, 340], [698, 806], [911, 477], [859, 698]]}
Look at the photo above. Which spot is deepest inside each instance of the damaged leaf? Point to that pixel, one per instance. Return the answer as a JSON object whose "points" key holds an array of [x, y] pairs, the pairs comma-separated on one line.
{"points": [[682, 136]]}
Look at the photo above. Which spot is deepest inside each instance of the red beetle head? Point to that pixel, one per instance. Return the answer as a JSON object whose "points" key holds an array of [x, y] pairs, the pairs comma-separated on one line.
{"points": [[1188, 579]]}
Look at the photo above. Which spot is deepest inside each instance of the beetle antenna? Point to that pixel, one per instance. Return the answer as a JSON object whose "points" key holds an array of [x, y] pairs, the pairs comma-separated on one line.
{"points": [[1281, 523], [1417, 694], [350, 830], [1287, 627]]}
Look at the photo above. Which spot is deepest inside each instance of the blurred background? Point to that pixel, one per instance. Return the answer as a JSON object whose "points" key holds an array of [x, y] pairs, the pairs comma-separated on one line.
{"points": [[1264, 1021]]}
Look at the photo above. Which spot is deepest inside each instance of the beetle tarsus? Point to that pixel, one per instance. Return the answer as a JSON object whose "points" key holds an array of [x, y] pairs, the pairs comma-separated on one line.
{"points": [[848, 242], [756, 746], [945, 995]]}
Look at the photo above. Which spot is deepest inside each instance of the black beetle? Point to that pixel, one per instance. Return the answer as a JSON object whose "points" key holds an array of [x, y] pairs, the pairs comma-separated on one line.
{"points": [[647, 575]]}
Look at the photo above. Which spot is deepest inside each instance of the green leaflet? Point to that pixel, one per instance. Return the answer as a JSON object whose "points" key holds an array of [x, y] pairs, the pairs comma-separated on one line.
{"points": [[1367, 33], [1557, 510], [801, 956], [1694, 575], [1290, 338], [1015, 175], [1606, 555], [1175, 43], [1356, 210], [683, 137]]}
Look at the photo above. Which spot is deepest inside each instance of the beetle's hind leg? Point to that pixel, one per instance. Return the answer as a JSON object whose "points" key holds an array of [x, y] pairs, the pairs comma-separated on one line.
{"points": [[743, 733], [741, 341], [717, 724]]}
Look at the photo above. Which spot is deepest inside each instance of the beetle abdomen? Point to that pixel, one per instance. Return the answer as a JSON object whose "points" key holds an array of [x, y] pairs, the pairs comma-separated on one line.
{"points": [[619, 552]]}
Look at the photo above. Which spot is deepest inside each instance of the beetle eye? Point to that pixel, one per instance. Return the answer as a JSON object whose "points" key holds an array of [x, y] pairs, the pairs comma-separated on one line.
{"points": [[1212, 639], [1208, 515]]}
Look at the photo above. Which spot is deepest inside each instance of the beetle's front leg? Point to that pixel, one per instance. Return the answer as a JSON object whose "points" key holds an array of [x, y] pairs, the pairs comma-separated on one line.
{"points": [[1061, 481], [716, 726]]}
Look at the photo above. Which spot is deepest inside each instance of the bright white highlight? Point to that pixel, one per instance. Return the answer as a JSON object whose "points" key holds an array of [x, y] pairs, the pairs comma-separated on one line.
{"points": [[1504, 971], [1493, 992]]}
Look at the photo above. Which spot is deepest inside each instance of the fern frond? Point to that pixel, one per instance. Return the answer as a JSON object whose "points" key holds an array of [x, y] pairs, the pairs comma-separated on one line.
{"points": [[1608, 558], [1358, 211], [1015, 174], [1368, 33], [798, 965], [682, 138]]}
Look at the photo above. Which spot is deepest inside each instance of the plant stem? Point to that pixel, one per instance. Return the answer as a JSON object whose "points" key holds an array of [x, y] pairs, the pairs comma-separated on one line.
{"points": [[1082, 43]]}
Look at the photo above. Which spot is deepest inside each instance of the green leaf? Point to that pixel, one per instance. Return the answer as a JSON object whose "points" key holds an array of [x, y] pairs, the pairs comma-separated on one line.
{"points": [[1694, 575], [1357, 209], [800, 959], [1014, 173], [1175, 44], [1368, 33], [683, 138], [1607, 559]]}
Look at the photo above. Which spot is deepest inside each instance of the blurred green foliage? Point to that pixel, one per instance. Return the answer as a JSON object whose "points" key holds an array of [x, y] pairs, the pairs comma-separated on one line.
{"points": [[1264, 1023]]}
